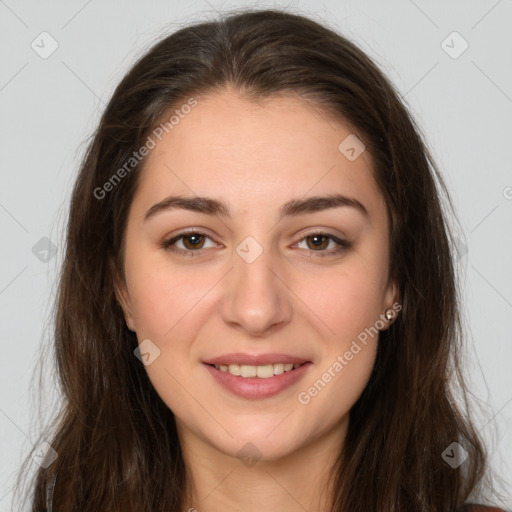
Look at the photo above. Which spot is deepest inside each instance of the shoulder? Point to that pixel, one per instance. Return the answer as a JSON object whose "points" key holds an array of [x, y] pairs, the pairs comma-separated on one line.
{"points": [[479, 508]]}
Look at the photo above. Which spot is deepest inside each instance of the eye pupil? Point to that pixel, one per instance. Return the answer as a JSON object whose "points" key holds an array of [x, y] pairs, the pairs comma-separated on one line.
{"points": [[318, 238], [195, 236]]}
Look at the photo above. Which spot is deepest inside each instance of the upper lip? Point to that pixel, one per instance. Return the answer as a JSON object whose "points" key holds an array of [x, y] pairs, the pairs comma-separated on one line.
{"points": [[255, 360]]}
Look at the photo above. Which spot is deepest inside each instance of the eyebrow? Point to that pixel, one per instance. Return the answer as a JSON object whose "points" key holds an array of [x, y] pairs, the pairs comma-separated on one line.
{"points": [[292, 208]]}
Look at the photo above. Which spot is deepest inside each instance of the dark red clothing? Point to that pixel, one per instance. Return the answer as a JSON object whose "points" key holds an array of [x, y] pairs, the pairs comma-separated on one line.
{"points": [[480, 508]]}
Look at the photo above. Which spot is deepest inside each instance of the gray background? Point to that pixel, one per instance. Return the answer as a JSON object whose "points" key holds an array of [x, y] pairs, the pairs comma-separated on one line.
{"points": [[50, 106]]}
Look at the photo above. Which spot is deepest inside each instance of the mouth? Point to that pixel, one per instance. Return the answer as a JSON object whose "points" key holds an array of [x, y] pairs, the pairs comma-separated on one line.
{"points": [[255, 382]]}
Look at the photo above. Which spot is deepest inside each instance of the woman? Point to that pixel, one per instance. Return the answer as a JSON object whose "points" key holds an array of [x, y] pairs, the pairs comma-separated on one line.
{"points": [[258, 307]]}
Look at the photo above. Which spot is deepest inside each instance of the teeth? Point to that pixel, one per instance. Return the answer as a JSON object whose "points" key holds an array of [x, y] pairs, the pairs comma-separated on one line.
{"points": [[248, 371], [263, 372]]}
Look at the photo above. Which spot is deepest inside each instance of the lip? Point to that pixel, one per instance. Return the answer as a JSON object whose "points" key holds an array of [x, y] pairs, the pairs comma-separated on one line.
{"points": [[254, 388], [255, 360]]}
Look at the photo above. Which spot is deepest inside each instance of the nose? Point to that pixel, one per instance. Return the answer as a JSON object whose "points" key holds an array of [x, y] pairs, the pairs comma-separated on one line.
{"points": [[256, 299]]}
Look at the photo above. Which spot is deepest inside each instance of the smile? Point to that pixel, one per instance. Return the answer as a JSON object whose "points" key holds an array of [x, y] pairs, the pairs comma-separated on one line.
{"points": [[262, 371], [256, 382]]}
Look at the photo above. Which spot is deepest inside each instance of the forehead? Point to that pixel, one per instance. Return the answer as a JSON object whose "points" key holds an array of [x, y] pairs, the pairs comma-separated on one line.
{"points": [[254, 154]]}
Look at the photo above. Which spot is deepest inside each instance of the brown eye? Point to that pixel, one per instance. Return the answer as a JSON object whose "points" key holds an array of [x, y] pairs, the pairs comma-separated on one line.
{"points": [[319, 242], [193, 241]]}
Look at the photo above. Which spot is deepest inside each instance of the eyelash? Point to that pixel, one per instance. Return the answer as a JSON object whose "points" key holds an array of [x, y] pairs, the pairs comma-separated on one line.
{"points": [[342, 244]]}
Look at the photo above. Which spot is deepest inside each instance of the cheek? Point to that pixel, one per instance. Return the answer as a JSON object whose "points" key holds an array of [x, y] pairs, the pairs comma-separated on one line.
{"points": [[163, 297], [346, 301], [166, 306], [170, 306]]}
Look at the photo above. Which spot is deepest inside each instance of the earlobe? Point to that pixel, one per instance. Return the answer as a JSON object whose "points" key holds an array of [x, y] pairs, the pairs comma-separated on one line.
{"points": [[392, 304], [123, 298]]}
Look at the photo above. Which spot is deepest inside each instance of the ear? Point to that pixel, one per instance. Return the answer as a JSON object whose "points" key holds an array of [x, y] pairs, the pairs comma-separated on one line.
{"points": [[123, 298], [392, 302]]}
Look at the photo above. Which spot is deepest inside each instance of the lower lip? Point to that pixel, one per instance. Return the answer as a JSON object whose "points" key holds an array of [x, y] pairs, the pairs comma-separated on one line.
{"points": [[255, 388]]}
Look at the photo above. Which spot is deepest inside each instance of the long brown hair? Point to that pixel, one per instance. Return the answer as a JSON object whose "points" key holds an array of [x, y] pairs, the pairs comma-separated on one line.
{"points": [[116, 440]]}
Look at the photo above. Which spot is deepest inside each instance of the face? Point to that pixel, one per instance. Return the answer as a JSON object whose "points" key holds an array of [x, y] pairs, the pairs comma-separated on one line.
{"points": [[260, 271]]}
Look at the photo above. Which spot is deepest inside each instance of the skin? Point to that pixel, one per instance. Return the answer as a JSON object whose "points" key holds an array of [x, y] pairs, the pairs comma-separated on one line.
{"points": [[289, 300]]}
